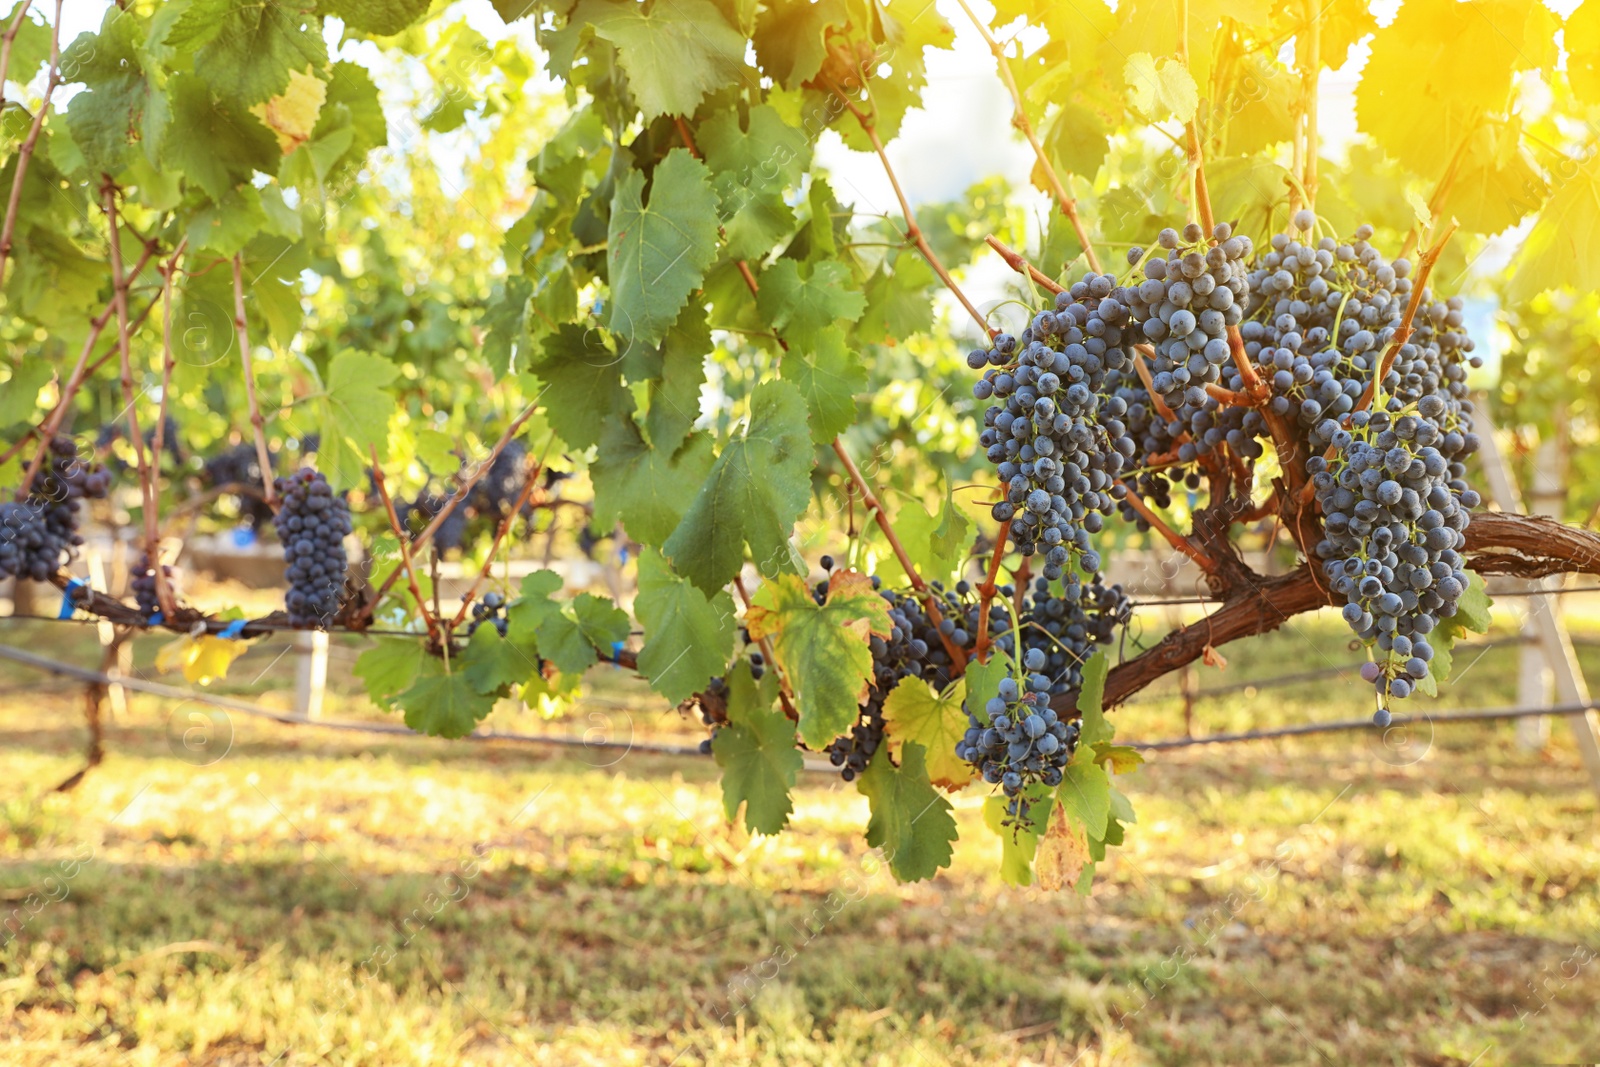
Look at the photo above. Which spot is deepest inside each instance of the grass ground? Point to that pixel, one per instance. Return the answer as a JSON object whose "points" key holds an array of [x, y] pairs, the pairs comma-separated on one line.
{"points": [[316, 897]]}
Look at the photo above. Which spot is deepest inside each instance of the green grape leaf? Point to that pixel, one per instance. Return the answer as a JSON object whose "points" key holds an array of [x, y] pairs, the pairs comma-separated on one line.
{"points": [[590, 625], [935, 542], [645, 488], [381, 18], [897, 304], [353, 416], [983, 682], [751, 171], [898, 77], [913, 711], [1019, 839], [20, 397], [1472, 609], [1096, 729], [1495, 184], [1076, 143], [121, 102], [1261, 111], [658, 253], [756, 490], [245, 51], [30, 49], [789, 39], [491, 662], [442, 704], [1559, 249], [910, 821], [829, 376], [676, 371], [213, 145], [757, 754], [583, 384], [1085, 795], [800, 306], [230, 224], [389, 667], [533, 605], [688, 637], [823, 648], [673, 51], [353, 96]]}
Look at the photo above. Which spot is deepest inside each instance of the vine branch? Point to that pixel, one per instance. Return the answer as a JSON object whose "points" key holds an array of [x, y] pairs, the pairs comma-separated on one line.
{"points": [[914, 232], [25, 153], [147, 487], [163, 588], [257, 423], [1019, 119], [875, 509], [405, 550], [421, 540], [1015, 261], [534, 468], [81, 370]]}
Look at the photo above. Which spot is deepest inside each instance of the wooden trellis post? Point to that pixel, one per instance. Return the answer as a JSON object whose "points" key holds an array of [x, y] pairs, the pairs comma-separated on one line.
{"points": [[1542, 624]]}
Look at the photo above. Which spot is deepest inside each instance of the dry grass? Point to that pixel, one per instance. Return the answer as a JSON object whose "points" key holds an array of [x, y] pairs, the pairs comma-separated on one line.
{"points": [[326, 898]]}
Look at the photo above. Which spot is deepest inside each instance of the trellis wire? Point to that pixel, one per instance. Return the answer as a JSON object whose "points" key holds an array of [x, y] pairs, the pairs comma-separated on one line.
{"points": [[255, 710], [266, 627]]}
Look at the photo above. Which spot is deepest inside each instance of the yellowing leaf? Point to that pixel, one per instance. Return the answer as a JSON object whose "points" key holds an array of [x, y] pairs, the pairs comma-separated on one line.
{"points": [[1439, 67], [1419, 207], [1583, 52], [1063, 854], [914, 712], [822, 647], [1560, 249], [1161, 90], [292, 114], [202, 659]]}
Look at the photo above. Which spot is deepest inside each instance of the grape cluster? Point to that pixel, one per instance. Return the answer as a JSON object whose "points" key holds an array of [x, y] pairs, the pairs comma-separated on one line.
{"points": [[491, 609], [1057, 443], [1016, 739], [240, 465], [1320, 317], [38, 534], [425, 506], [312, 523], [1395, 508], [143, 583], [1184, 306], [1065, 630]]}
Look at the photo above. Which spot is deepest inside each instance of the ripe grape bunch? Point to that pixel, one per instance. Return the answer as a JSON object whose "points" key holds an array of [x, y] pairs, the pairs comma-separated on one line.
{"points": [[1017, 739], [38, 534], [143, 583], [312, 523], [490, 609], [1057, 443]]}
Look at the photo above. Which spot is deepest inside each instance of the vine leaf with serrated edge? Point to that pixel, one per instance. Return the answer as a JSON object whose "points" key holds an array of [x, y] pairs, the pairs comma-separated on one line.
{"points": [[756, 753], [910, 820], [757, 488], [688, 636], [823, 648], [913, 711]]}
